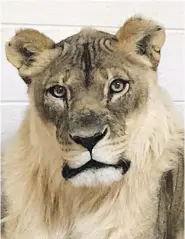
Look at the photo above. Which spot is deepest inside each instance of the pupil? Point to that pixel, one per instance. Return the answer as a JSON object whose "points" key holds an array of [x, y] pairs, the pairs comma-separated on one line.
{"points": [[117, 85], [59, 90]]}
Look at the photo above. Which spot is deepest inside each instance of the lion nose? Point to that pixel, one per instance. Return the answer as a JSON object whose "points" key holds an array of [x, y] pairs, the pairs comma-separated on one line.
{"points": [[89, 142]]}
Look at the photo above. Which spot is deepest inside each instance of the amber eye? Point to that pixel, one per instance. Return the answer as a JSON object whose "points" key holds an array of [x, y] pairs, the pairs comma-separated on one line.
{"points": [[58, 91], [118, 85]]}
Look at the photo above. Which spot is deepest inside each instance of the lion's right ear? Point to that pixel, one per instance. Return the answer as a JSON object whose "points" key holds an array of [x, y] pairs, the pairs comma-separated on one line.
{"points": [[30, 51]]}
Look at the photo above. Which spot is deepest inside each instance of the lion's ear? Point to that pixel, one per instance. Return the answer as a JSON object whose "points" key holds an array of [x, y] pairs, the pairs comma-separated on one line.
{"points": [[25, 51], [144, 37]]}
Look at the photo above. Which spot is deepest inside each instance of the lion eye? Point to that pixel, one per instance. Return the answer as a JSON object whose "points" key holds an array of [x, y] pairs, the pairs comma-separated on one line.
{"points": [[58, 91], [118, 85]]}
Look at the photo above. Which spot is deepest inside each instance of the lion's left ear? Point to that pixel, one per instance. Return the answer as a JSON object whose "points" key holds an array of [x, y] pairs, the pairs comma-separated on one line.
{"points": [[144, 37]]}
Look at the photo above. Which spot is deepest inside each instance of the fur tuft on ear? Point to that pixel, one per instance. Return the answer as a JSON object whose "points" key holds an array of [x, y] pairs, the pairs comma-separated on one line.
{"points": [[145, 37], [25, 48]]}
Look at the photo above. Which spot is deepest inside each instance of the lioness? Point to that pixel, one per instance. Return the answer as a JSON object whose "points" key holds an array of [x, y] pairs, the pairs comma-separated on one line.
{"points": [[99, 154]]}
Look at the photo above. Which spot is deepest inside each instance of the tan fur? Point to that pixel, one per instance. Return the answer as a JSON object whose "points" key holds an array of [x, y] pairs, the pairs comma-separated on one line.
{"points": [[34, 199], [135, 28], [33, 41], [42, 205]]}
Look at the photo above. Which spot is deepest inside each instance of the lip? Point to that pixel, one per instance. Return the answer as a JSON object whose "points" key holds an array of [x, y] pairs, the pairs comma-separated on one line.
{"points": [[68, 172]]}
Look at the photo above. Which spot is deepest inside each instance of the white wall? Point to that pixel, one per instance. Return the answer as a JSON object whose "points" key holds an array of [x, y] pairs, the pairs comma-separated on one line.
{"points": [[60, 19]]}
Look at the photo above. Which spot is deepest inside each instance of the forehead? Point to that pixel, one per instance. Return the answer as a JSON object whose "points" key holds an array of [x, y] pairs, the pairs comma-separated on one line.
{"points": [[81, 55], [85, 51], [88, 35]]}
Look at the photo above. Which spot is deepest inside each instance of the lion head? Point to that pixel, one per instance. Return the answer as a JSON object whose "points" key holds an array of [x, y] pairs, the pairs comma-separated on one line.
{"points": [[88, 87]]}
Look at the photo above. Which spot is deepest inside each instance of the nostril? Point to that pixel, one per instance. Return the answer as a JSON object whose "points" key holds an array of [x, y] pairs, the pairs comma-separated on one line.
{"points": [[89, 142], [77, 139], [100, 135]]}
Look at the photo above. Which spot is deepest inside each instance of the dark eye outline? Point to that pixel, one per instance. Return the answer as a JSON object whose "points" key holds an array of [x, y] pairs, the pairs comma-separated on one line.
{"points": [[122, 81], [52, 89]]}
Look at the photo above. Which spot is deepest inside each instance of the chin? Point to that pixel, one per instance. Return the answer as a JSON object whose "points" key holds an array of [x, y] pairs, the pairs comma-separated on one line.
{"points": [[97, 177], [95, 173]]}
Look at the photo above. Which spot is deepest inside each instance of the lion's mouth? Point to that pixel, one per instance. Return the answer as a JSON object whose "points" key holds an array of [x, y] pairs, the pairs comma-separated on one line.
{"points": [[68, 172]]}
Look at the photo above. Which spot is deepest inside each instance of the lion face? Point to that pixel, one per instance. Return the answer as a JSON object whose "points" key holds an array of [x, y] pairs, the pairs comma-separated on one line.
{"points": [[88, 86]]}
